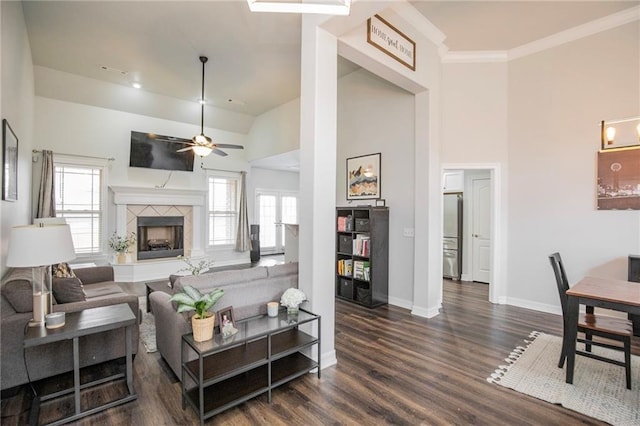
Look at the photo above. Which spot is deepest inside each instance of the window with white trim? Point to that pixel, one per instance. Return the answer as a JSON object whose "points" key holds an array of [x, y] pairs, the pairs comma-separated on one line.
{"points": [[223, 204], [80, 194]]}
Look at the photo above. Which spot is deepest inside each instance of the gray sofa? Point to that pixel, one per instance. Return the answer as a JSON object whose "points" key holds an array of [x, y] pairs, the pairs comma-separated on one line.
{"points": [[247, 290], [56, 358]]}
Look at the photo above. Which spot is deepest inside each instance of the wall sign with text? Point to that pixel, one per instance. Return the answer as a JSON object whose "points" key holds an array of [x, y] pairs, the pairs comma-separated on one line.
{"points": [[387, 38]]}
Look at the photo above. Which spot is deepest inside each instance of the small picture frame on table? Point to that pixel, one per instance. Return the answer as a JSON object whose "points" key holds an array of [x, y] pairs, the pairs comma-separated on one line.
{"points": [[225, 315]]}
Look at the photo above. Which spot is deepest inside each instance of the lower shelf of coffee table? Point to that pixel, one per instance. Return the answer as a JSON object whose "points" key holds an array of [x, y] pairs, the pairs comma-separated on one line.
{"points": [[249, 384]]}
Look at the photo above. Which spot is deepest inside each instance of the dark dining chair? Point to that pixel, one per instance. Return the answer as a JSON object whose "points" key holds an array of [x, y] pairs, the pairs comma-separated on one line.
{"points": [[611, 328]]}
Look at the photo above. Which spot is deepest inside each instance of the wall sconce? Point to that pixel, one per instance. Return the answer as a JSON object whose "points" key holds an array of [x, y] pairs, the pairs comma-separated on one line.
{"points": [[620, 134]]}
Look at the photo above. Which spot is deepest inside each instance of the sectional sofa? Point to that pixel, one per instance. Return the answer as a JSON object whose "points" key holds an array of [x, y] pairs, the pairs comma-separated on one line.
{"points": [[247, 290]]}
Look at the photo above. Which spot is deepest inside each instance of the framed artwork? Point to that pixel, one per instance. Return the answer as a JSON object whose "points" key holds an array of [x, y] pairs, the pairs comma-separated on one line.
{"points": [[9, 163], [225, 316], [363, 177], [618, 183]]}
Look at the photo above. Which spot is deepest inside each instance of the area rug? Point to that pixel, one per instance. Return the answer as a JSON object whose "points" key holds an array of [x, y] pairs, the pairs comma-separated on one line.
{"points": [[148, 332], [598, 390]]}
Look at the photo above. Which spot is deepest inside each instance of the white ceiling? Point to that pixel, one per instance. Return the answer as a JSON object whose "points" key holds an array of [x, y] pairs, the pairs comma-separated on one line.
{"points": [[254, 58]]}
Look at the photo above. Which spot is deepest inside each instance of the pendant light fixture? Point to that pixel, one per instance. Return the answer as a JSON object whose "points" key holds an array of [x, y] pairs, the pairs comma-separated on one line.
{"points": [[202, 144]]}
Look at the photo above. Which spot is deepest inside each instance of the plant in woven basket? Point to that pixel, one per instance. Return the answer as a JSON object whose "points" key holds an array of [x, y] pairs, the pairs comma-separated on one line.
{"points": [[191, 299]]}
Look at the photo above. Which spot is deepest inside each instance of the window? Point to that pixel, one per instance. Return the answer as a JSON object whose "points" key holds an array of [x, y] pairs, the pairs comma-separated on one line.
{"points": [[80, 198], [223, 209]]}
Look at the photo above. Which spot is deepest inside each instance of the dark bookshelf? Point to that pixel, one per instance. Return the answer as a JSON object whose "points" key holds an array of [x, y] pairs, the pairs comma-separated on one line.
{"points": [[362, 255]]}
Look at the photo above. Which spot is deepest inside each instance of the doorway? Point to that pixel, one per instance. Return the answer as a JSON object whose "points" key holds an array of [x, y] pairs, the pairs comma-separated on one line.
{"points": [[273, 210], [480, 184]]}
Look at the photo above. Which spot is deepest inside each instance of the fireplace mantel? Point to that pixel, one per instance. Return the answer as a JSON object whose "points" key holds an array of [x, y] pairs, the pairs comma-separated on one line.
{"points": [[132, 197], [159, 196]]}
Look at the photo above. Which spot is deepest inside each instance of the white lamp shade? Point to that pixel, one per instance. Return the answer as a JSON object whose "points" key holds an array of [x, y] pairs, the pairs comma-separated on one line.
{"points": [[202, 150], [31, 245]]}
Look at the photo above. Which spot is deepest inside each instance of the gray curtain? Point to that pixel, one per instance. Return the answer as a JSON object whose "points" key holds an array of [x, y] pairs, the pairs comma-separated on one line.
{"points": [[46, 194], [243, 239]]}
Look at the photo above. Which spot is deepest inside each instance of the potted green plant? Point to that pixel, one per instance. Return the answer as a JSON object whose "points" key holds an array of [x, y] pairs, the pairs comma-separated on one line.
{"points": [[121, 245], [203, 321]]}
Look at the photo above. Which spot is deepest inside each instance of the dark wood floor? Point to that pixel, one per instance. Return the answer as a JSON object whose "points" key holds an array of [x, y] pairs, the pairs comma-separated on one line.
{"points": [[393, 368]]}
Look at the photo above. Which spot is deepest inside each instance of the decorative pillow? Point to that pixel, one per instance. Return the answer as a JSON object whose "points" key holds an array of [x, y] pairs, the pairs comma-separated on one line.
{"points": [[62, 270], [19, 294], [68, 290]]}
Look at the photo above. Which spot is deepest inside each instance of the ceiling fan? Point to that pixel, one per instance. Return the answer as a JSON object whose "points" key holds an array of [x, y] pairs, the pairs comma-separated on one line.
{"points": [[201, 144]]}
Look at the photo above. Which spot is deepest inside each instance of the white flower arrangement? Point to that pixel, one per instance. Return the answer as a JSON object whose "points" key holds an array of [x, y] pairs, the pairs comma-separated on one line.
{"points": [[121, 244], [195, 268], [292, 297]]}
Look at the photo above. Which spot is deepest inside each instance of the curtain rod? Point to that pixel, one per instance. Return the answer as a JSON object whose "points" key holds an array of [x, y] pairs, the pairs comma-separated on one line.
{"points": [[39, 151], [221, 170]]}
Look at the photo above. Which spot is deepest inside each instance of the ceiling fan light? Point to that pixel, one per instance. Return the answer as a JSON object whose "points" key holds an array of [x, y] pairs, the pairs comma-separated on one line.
{"points": [[201, 139], [202, 150]]}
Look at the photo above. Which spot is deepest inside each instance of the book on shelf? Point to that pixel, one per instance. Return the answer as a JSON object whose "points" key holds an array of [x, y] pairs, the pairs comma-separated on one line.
{"points": [[345, 267], [345, 223], [361, 245], [361, 270]]}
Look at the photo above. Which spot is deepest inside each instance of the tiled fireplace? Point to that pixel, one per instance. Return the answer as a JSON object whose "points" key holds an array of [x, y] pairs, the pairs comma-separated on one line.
{"points": [[167, 223]]}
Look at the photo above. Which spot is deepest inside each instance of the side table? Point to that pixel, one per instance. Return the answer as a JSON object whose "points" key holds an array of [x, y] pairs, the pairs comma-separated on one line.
{"points": [[78, 324], [264, 354]]}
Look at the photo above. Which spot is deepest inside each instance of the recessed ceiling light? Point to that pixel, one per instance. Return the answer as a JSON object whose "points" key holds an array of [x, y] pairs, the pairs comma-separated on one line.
{"points": [[235, 101], [113, 70], [136, 85]]}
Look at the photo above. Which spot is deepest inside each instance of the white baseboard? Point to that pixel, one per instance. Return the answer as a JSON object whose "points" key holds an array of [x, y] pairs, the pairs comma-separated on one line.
{"points": [[328, 359], [424, 312], [401, 303], [527, 304]]}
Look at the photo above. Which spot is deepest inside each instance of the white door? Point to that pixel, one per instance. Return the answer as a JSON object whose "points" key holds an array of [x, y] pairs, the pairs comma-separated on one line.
{"points": [[481, 230], [272, 210]]}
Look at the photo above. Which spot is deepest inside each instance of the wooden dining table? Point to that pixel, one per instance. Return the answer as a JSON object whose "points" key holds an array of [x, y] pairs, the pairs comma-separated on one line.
{"points": [[602, 293]]}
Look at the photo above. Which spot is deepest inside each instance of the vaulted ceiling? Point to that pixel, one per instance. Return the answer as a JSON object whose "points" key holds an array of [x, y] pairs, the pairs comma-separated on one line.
{"points": [[254, 61]]}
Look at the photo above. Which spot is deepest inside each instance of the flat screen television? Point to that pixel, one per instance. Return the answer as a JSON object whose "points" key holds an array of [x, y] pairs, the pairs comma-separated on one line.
{"points": [[153, 151]]}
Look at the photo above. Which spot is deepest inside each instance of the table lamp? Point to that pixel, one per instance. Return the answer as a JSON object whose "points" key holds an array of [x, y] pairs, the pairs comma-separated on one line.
{"points": [[39, 247]]}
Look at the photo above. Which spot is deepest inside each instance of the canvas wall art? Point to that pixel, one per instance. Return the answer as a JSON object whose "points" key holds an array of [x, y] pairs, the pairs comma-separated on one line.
{"points": [[363, 177]]}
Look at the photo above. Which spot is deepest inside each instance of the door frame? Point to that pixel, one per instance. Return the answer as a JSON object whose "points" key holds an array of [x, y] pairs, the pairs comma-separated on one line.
{"points": [[278, 193], [497, 290]]}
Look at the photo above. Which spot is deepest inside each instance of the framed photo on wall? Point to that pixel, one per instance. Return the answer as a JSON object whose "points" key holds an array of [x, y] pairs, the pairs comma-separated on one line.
{"points": [[10, 163], [363, 177], [618, 183]]}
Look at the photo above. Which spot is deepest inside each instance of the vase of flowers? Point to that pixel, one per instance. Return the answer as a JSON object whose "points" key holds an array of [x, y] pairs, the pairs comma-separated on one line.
{"points": [[193, 267], [291, 299], [121, 245]]}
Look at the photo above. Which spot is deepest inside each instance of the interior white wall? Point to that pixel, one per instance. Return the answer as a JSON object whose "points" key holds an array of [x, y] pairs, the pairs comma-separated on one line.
{"points": [[556, 100], [377, 116], [474, 113], [17, 89], [275, 132]]}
